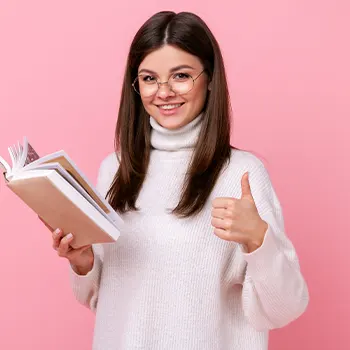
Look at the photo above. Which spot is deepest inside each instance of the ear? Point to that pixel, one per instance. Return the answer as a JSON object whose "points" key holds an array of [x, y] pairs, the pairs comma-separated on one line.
{"points": [[209, 86]]}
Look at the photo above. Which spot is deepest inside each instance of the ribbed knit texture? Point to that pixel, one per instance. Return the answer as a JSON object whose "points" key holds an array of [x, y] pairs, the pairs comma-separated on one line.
{"points": [[170, 283]]}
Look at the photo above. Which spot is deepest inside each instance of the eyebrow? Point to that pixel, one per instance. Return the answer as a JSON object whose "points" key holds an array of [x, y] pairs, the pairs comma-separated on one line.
{"points": [[172, 70]]}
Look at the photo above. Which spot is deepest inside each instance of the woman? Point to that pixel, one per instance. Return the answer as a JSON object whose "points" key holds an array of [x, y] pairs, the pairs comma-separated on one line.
{"points": [[203, 261]]}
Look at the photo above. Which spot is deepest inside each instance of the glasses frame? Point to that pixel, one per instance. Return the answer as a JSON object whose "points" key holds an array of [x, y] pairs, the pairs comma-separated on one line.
{"points": [[167, 82]]}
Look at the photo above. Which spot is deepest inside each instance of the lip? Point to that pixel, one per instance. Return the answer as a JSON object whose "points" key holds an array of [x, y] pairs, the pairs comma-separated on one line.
{"points": [[170, 103], [168, 112]]}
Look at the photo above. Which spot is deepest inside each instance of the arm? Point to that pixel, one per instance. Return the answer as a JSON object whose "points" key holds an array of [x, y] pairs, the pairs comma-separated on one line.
{"points": [[86, 286], [274, 290]]}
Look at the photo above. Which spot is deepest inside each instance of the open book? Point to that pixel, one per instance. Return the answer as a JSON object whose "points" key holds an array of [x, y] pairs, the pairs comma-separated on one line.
{"points": [[54, 188]]}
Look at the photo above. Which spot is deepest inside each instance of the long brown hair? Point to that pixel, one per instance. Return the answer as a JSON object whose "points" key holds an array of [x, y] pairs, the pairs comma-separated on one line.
{"points": [[188, 32]]}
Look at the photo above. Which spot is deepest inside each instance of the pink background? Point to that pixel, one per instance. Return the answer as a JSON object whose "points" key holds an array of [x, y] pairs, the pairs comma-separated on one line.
{"points": [[61, 67]]}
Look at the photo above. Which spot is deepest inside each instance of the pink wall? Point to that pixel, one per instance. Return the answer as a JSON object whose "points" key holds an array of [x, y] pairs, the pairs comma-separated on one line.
{"points": [[61, 66]]}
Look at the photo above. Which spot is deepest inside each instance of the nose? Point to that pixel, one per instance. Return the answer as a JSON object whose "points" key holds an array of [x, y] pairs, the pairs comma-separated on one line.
{"points": [[164, 90]]}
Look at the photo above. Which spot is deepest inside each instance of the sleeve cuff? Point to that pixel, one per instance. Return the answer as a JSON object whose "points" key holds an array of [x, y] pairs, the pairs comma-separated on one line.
{"points": [[78, 281], [263, 261]]}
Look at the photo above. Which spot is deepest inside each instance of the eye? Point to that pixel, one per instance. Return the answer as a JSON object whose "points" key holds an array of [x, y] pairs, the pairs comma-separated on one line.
{"points": [[181, 76], [148, 78]]}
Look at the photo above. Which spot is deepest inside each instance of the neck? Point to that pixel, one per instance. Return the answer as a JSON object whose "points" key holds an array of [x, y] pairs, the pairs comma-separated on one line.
{"points": [[178, 139]]}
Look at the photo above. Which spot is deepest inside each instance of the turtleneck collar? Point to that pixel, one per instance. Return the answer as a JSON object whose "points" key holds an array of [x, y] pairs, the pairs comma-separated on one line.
{"points": [[178, 139]]}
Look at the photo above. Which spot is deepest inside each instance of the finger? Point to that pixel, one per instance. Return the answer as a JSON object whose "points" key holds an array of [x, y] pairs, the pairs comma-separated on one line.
{"points": [[246, 190], [56, 238], [220, 223], [227, 235], [223, 234], [223, 202], [219, 213], [64, 246]]}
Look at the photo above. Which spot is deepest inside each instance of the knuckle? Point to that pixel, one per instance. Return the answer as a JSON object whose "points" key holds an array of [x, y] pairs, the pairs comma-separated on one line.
{"points": [[230, 207], [61, 251], [232, 204], [228, 223], [229, 212]]}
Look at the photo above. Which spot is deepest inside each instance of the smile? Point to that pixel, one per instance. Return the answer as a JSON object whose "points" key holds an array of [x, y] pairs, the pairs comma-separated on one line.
{"points": [[170, 106]]}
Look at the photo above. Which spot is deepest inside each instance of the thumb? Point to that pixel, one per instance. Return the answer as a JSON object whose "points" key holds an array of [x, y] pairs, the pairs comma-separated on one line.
{"points": [[246, 191]]}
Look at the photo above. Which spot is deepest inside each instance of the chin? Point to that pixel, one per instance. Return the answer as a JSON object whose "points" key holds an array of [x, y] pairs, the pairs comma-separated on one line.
{"points": [[171, 122]]}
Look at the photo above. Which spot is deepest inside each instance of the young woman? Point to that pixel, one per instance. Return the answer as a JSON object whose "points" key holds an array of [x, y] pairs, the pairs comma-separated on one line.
{"points": [[203, 261]]}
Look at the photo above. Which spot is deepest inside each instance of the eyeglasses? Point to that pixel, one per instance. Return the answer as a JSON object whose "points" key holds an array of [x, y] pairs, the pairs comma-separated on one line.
{"points": [[180, 83]]}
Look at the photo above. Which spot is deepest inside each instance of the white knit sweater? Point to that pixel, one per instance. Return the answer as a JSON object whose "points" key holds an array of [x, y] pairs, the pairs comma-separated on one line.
{"points": [[170, 283]]}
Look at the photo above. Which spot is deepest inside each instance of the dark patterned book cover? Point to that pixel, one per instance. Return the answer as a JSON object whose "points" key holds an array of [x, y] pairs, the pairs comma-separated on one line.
{"points": [[32, 155]]}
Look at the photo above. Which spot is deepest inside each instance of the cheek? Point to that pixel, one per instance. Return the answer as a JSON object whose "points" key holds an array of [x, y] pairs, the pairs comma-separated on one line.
{"points": [[145, 101], [148, 105], [198, 97]]}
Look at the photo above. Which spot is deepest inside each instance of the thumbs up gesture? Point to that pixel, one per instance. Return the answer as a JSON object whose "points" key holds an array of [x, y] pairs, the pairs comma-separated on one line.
{"points": [[238, 220]]}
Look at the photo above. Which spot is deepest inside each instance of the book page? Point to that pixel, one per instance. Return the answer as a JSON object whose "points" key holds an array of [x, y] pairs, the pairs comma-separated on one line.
{"points": [[22, 154], [73, 171], [4, 166], [12, 156]]}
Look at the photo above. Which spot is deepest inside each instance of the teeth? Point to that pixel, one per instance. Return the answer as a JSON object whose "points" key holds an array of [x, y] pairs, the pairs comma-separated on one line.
{"points": [[170, 106]]}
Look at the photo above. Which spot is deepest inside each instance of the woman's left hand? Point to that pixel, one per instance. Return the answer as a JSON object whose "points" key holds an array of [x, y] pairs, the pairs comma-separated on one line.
{"points": [[238, 220]]}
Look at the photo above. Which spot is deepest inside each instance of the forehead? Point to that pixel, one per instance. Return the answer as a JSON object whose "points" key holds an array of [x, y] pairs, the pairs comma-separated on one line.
{"points": [[167, 57]]}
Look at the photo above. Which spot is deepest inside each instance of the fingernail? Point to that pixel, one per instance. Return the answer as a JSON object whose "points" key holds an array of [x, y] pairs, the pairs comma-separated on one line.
{"points": [[56, 232], [69, 236]]}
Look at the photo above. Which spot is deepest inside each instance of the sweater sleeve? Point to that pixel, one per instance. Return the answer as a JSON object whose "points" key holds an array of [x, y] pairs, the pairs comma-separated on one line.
{"points": [[274, 290], [86, 287]]}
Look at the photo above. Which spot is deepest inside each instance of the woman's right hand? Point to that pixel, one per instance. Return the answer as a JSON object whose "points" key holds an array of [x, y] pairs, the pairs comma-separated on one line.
{"points": [[81, 259]]}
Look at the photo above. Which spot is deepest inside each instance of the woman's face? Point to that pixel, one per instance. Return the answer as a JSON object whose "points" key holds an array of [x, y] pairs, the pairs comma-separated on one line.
{"points": [[171, 109]]}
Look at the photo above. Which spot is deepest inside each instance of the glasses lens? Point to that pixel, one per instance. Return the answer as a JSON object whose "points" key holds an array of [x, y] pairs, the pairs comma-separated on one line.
{"points": [[181, 87], [181, 83], [145, 85]]}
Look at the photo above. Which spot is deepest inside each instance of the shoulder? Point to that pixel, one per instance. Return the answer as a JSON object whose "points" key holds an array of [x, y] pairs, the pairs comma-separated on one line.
{"points": [[241, 162], [259, 178], [107, 169], [110, 163], [246, 161]]}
